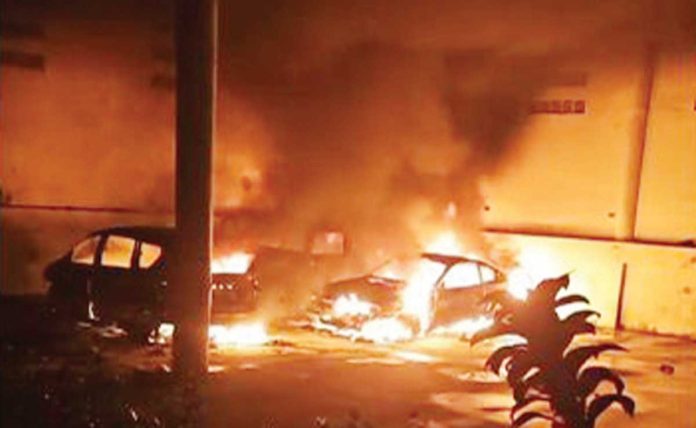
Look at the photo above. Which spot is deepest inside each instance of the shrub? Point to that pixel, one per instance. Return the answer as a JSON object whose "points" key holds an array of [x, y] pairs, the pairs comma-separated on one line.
{"points": [[544, 369]]}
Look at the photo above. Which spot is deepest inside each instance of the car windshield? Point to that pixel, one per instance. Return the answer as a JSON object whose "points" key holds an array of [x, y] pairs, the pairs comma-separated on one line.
{"points": [[404, 268]]}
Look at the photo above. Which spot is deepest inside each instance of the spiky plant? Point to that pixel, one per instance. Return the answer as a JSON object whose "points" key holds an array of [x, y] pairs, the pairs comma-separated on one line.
{"points": [[544, 370]]}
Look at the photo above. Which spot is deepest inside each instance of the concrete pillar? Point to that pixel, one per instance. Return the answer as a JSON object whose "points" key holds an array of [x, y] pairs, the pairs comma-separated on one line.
{"points": [[196, 46], [628, 213]]}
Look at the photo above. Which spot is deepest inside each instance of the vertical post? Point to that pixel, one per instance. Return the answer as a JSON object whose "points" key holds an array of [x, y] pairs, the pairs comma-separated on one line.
{"points": [[196, 43], [628, 214], [618, 323]]}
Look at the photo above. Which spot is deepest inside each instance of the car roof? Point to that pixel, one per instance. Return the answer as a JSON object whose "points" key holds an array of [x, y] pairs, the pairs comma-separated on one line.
{"points": [[155, 234], [447, 259]]}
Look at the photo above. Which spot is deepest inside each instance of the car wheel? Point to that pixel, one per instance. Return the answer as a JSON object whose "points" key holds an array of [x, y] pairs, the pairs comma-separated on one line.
{"points": [[142, 330]]}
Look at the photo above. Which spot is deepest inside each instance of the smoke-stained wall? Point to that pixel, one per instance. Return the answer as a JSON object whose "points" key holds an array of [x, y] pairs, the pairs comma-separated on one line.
{"points": [[357, 116], [92, 126], [667, 202], [86, 120]]}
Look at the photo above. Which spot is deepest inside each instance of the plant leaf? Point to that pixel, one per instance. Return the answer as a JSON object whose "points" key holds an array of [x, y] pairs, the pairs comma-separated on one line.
{"points": [[519, 405], [581, 316], [548, 288], [575, 358], [591, 377], [535, 381], [529, 416], [577, 324], [601, 403], [573, 298], [519, 366], [501, 354]]}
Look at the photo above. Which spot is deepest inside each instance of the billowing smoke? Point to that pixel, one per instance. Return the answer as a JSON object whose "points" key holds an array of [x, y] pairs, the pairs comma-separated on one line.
{"points": [[379, 118], [376, 117]]}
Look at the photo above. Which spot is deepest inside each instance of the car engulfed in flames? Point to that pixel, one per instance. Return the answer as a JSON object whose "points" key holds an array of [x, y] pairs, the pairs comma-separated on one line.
{"points": [[409, 297]]}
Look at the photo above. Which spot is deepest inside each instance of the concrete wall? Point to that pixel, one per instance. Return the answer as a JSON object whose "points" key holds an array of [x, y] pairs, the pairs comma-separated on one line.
{"points": [[571, 171], [572, 177], [667, 209], [90, 120], [659, 285]]}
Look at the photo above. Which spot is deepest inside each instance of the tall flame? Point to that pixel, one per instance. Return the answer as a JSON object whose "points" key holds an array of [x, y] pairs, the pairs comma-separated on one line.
{"points": [[417, 297], [238, 262]]}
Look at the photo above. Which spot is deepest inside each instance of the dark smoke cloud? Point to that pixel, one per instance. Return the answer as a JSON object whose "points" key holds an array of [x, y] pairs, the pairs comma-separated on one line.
{"points": [[370, 116], [377, 114]]}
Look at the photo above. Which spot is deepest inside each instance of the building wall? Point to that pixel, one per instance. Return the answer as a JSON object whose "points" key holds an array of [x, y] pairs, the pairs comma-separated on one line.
{"points": [[92, 118], [667, 205], [572, 171], [573, 178], [659, 283]]}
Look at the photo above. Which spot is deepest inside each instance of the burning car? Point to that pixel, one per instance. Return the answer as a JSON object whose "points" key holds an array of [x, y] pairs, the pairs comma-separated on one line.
{"points": [[120, 275], [408, 296]]}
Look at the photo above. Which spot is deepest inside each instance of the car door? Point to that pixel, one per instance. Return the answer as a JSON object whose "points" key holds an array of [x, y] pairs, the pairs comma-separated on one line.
{"points": [[150, 278], [71, 278], [459, 293], [114, 286]]}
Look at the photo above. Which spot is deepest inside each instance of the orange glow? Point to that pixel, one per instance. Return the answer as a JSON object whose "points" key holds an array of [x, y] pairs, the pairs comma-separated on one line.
{"points": [[386, 330], [416, 299], [225, 336], [445, 243], [465, 327], [251, 334], [533, 266], [238, 262], [417, 296], [378, 330], [351, 305], [519, 283]]}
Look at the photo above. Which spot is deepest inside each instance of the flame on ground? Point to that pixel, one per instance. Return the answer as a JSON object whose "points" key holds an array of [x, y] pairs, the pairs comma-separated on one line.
{"points": [[238, 262], [466, 327], [225, 336], [378, 330], [252, 334]]}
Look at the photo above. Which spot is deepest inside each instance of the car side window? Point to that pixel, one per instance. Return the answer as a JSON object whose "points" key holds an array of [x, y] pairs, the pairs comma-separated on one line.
{"points": [[462, 275], [84, 253], [118, 252], [149, 254], [487, 274]]}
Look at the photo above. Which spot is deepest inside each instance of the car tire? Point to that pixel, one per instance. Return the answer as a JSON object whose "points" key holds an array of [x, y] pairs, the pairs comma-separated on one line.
{"points": [[140, 332]]}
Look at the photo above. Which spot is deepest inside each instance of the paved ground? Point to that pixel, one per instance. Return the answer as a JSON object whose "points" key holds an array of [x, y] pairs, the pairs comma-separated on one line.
{"points": [[436, 381], [305, 379]]}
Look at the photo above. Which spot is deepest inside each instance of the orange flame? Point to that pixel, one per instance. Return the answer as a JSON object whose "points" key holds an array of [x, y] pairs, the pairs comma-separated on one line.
{"points": [[225, 336], [238, 262], [351, 305]]}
